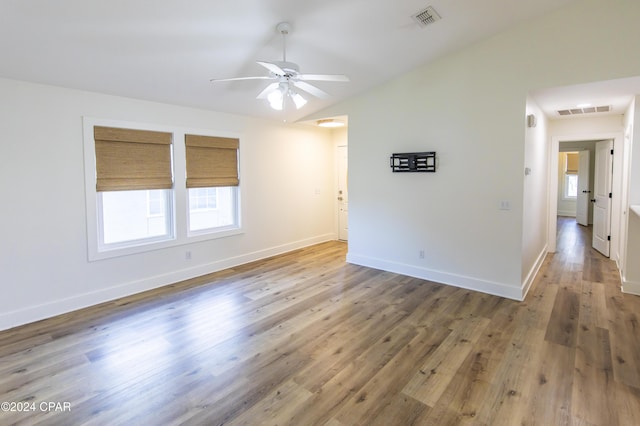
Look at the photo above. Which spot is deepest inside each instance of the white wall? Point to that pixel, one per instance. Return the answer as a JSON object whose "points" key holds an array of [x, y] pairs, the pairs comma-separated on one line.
{"points": [[470, 107], [535, 199], [340, 136], [568, 129], [629, 120], [634, 166], [631, 272], [287, 179]]}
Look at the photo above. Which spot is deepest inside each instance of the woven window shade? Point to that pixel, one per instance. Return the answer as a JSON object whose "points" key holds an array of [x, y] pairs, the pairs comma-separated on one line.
{"points": [[129, 159], [211, 161], [572, 163]]}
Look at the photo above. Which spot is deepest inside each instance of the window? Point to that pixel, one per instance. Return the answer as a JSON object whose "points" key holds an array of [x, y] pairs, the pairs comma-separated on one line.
{"points": [[203, 199], [133, 181], [134, 217], [136, 179], [156, 201], [571, 162], [571, 186], [212, 182], [212, 208]]}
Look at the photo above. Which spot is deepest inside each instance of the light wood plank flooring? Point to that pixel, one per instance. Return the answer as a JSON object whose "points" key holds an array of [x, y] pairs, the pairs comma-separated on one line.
{"points": [[306, 339]]}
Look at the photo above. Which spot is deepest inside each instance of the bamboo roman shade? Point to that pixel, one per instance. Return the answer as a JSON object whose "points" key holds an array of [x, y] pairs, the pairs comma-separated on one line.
{"points": [[211, 161], [128, 159], [572, 163]]}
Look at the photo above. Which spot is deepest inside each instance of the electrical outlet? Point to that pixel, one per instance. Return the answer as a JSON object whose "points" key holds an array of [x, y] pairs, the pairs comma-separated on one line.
{"points": [[505, 205], [421, 254], [187, 255]]}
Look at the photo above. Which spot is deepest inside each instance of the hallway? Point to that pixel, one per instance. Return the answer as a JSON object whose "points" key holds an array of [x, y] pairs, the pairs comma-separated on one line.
{"points": [[593, 328], [574, 251]]}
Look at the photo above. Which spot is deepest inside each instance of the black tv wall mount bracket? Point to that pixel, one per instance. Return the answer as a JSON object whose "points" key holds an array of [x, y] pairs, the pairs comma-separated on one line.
{"points": [[424, 162]]}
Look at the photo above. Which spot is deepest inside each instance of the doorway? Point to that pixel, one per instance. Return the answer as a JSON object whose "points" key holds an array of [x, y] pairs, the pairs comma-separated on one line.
{"points": [[575, 181], [608, 227]]}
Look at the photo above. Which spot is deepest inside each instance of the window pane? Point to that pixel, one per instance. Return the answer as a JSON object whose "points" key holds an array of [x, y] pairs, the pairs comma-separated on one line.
{"points": [[571, 186], [211, 208], [156, 203], [135, 215], [203, 198]]}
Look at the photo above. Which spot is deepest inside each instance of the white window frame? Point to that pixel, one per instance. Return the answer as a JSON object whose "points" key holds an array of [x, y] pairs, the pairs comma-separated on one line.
{"points": [[179, 195]]}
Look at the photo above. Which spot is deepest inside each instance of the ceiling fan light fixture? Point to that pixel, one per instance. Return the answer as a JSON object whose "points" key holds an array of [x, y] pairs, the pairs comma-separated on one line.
{"points": [[278, 96], [276, 99], [297, 99], [330, 122]]}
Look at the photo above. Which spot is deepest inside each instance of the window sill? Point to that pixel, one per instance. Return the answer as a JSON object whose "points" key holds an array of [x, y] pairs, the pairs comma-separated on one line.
{"points": [[159, 245], [196, 236]]}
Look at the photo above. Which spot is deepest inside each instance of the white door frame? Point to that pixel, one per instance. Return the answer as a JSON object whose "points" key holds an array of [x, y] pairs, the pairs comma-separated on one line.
{"points": [[618, 139], [584, 191], [342, 231]]}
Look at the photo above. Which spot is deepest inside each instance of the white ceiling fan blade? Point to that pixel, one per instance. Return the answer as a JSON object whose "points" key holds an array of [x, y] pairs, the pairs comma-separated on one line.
{"points": [[272, 67], [322, 77], [312, 90], [213, 80], [270, 88]]}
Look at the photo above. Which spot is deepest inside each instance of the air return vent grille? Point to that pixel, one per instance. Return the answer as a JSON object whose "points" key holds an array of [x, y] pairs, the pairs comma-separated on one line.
{"points": [[426, 16], [587, 110]]}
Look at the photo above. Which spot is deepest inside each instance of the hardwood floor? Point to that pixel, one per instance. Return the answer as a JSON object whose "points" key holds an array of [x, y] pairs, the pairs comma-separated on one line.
{"points": [[306, 339]]}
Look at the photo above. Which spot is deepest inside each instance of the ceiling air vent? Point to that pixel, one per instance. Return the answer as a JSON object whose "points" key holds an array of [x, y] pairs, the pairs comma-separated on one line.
{"points": [[587, 110], [426, 16]]}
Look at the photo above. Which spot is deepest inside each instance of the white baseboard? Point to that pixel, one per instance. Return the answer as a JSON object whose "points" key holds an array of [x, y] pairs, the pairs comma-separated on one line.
{"points": [[471, 283], [630, 287], [47, 310], [567, 213], [531, 276]]}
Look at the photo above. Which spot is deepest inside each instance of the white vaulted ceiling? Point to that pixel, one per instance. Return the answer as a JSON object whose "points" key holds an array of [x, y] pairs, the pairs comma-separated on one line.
{"points": [[168, 50]]}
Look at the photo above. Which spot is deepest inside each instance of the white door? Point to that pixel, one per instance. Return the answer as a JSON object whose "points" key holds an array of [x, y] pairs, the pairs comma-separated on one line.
{"points": [[584, 192], [602, 197], [343, 195]]}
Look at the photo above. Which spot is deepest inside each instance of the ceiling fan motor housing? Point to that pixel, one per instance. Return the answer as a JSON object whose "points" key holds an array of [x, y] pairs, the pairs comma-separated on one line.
{"points": [[289, 68], [283, 28]]}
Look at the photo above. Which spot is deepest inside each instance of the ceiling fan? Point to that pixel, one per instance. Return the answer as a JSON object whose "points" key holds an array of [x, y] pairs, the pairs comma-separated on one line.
{"points": [[287, 78]]}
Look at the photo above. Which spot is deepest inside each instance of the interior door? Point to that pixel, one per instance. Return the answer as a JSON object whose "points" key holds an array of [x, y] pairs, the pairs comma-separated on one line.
{"points": [[343, 194], [602, 197], [584, 192]]}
